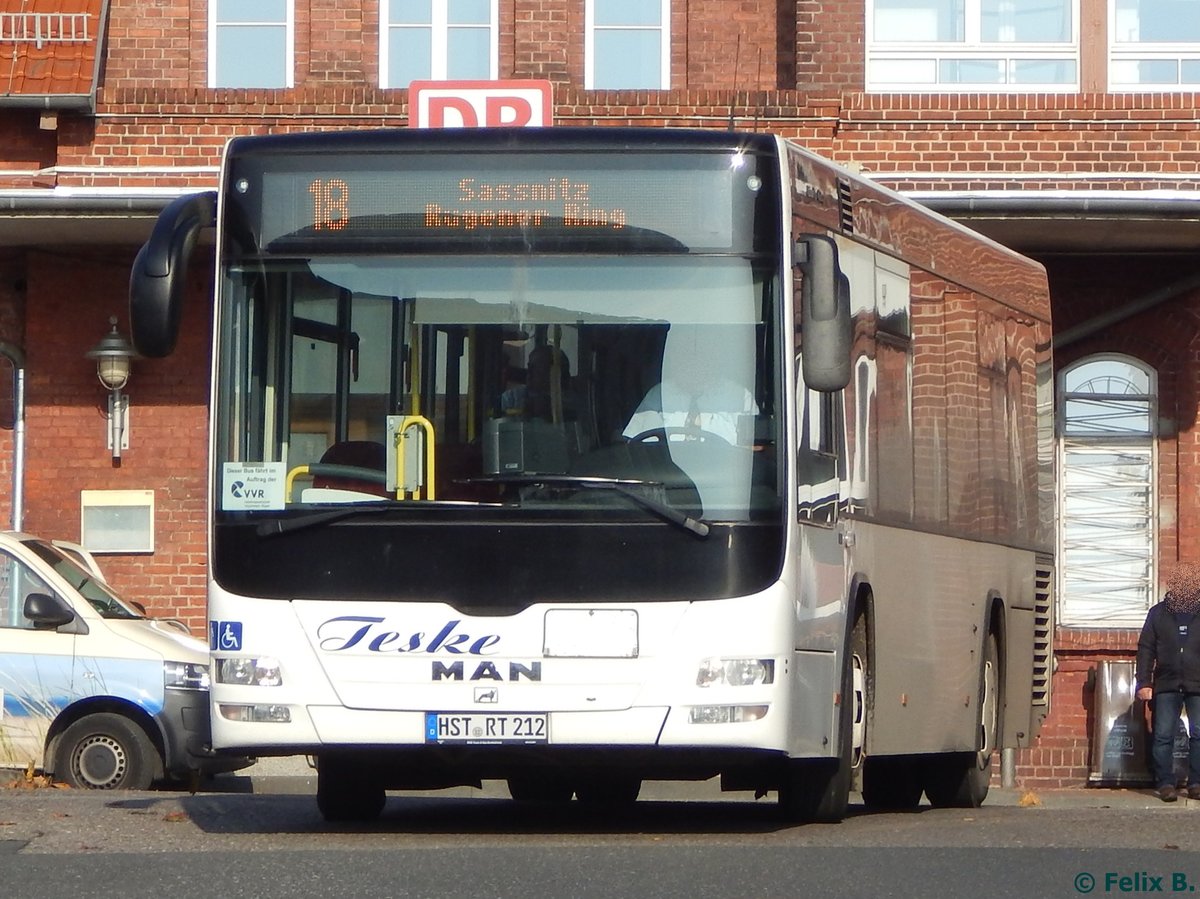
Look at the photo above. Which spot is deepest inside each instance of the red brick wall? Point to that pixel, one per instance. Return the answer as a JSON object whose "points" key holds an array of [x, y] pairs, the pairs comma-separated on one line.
{"points": [[24, 148], [73, 291], [155, 44], [728, 44], [829, 53], [541, 39]]}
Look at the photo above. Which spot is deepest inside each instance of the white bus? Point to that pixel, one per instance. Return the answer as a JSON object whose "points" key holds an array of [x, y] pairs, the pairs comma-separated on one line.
{"points": [[580, 457]]}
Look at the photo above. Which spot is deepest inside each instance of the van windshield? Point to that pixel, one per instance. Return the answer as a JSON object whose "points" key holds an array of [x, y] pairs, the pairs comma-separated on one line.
{"points": [[95, 591]]}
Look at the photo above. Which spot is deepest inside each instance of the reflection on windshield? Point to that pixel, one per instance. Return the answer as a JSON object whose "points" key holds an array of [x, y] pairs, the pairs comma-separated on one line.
{"points": [[96, 592], [421, 378]]}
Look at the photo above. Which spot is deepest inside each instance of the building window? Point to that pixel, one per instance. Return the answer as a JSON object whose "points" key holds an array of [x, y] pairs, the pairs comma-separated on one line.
{"points": [[438, 40], [972, 45], [627, 45], [1107, 535], [1154, 45], [250, 43]]}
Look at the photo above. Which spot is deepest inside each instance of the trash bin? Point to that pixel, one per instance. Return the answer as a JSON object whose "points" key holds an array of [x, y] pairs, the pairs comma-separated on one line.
{"points": [[1121, 741]]}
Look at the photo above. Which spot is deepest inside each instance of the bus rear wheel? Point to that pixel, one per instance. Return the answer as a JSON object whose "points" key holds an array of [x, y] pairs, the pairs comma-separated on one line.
{"points": [[961, 779], [345, 792]]}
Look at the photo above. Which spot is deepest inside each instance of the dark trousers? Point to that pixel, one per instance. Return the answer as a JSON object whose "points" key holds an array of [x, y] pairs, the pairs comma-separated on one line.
{"points": [[1167, 707]]}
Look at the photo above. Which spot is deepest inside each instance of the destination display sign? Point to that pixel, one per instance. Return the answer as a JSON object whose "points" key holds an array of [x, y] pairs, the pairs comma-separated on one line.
{"points": [[668, 202]]}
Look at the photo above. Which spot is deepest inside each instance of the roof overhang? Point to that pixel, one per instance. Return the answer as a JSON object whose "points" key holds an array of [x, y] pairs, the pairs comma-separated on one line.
{"points": [[1078, 223], [60, 216]]}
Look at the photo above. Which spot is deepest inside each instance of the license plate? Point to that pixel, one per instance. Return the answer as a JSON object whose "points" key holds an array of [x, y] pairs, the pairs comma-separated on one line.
{"points": [[490, 727]]}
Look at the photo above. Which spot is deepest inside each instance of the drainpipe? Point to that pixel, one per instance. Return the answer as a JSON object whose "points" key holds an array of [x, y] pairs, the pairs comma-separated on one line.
{"points": [[17, 358]]}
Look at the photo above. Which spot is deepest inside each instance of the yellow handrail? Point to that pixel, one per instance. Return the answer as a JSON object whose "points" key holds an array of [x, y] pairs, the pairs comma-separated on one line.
{"points": [[291, 479], [406, 423]]}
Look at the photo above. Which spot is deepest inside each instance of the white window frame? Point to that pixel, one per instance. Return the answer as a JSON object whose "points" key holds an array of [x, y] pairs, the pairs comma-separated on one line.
{"points": [[589, 44], [439, 57], [1120, 51], [289, 26], [1085, 596], [97, 535], [972, 47]]}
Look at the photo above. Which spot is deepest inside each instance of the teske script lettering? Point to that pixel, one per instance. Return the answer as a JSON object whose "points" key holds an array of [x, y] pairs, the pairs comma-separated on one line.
{"points": [[369, 633]]}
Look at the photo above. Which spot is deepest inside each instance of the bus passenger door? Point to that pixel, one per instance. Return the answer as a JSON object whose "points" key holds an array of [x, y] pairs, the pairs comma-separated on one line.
{"points": [[822, 332], [343, 381]]}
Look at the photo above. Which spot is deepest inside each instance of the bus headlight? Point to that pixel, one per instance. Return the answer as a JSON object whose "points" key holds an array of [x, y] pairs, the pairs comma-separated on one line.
{"points": [[735, 672], [185, 675], [262, 672]]}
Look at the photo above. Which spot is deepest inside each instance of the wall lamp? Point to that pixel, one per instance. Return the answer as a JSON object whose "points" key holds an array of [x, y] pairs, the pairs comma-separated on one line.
{"points": [[113, 355]]}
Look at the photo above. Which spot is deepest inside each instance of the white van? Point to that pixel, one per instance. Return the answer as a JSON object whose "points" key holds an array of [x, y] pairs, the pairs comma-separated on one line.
{"points": [[92, 691]]}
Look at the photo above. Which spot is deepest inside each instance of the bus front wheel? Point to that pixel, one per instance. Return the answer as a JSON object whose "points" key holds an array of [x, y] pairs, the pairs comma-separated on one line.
{"points": [[818, 790]]}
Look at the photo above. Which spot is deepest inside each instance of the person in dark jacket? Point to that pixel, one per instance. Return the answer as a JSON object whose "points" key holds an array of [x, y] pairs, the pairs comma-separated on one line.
{"points": [[1168, 672]]}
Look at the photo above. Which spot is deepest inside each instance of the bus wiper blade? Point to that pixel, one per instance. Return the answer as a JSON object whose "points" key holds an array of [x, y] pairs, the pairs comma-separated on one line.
{"points": [[624, 486], [277, 526]]}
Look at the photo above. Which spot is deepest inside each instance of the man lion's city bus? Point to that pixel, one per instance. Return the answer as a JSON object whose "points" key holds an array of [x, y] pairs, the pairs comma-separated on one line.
{"points": [[574, 458]]}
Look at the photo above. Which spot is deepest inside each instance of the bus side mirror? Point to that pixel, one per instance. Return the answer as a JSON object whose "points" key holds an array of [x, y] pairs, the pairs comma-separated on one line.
{"points": [[159, 274], [824, 314]]}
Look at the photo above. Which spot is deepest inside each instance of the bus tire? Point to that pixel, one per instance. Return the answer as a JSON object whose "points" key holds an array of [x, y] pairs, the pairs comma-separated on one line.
{"points": [[107, 752], [961, 779], [346, 792], [818, 790], [532, 788]]}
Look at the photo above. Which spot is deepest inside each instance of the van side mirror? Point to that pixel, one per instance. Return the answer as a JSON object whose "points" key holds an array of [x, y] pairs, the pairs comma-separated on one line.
{"points": [[47, 611], [159, 274], [828, 331]]}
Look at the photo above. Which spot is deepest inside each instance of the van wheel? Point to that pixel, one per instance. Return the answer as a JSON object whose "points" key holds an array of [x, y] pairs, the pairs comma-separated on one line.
{"points": [[107, 752]]}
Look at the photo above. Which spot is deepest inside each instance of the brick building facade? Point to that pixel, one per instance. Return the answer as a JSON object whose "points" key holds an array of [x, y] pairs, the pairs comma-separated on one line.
{"points": [[97, 133]]}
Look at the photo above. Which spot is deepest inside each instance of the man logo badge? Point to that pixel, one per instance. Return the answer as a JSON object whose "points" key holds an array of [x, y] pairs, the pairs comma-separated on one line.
{"points": [[487, 694]]}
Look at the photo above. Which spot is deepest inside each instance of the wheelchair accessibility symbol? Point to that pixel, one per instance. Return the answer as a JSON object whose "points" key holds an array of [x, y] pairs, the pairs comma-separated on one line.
{"points": [[225, 635]]}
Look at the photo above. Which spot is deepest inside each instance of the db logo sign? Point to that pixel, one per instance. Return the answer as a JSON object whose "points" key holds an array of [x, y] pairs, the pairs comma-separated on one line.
{"points": [[478, 104]]}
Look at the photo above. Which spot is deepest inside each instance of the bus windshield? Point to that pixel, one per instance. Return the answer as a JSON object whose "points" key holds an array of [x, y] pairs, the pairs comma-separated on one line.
{"points": [[507, 382]]}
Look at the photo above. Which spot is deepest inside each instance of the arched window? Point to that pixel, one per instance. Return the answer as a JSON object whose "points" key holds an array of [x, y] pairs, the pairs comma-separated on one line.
{"points": [[1108, 414]]}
